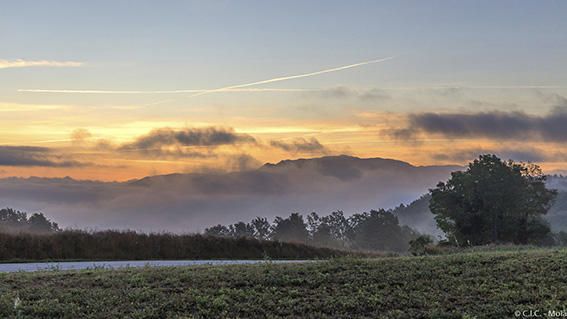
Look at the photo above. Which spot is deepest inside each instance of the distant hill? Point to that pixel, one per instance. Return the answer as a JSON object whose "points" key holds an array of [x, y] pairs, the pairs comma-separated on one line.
{"points": [[557, 215], [418, 216], [293, 175], [189, 202], [342, 167]]}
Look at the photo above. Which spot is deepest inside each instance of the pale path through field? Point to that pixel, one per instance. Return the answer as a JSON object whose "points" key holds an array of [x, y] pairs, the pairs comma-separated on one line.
{"points": [[77, 265]]}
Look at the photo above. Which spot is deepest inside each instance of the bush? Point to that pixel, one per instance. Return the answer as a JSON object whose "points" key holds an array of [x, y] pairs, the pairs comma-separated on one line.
{"points": [[417, 247]]}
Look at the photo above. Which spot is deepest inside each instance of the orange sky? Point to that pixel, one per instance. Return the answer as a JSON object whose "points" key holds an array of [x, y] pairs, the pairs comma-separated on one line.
{"points": [[97, 151], [110, 91]]}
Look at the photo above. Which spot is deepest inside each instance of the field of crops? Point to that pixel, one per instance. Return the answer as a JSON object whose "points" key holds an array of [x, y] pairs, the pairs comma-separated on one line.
{"points": [[465, 285]]}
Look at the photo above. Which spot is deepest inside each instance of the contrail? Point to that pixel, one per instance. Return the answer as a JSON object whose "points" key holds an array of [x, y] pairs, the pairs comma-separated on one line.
{"points": [[291, 77], [232, 88], [65, 91]]}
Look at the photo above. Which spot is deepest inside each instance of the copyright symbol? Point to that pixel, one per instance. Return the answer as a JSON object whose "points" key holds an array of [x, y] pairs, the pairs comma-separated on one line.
{"points": [[517, 313]]}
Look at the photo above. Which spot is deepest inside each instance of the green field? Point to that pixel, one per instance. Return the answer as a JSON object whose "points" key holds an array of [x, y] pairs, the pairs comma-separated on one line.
{"points": [[469, 285]]}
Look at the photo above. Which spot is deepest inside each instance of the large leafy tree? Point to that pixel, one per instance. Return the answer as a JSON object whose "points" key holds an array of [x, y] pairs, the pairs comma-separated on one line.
{"points": [[493, 201], [291, 229], [218, 230], [261, 228], [380, 230], [333, 230], [241, 229]]}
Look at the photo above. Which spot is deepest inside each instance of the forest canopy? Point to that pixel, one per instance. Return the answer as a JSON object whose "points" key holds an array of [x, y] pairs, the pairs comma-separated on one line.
{"points": [[16, 221], [375, 230]]}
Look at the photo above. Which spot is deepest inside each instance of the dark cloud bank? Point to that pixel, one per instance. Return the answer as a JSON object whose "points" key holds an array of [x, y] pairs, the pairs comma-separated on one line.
{"points": [[499, 125], [522, 154], [189, 202], [201, 142], [209, 136], [34, 156], [159, 143], [189, 142]]}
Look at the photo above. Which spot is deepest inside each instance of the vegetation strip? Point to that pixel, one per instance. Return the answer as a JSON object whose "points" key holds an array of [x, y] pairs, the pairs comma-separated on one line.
{"points": [[129, 245]]}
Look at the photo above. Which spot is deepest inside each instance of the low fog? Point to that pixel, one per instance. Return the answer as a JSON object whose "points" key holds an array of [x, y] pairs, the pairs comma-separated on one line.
{"points": [[190, 202]]}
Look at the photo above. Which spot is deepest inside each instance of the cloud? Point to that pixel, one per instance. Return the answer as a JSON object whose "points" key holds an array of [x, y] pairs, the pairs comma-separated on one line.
{"points": [[496, 124], [552, 98], [80, 136], [519, 154], [345, 92], [19, 63], [209, 136], [301, 145], [34, 156], [187, 142], [197, 143], [406, 134], [514, 152], [242, 162]]}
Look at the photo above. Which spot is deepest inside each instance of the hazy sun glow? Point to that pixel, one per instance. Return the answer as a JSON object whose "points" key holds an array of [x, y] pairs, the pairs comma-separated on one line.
{"points": [[134, 98]]}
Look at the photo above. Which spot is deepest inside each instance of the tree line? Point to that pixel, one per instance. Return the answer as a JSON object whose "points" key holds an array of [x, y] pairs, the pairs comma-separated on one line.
{"points": [[16, 221], [377, 230]]}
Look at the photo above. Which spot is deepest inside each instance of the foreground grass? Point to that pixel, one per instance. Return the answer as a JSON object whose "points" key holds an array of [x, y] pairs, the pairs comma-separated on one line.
{"points": [[482, 285]]}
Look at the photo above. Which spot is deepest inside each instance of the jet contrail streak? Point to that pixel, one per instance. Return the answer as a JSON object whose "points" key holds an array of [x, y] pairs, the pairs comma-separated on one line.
{"points": [[64, 91], [232, 88], [291, 77]]}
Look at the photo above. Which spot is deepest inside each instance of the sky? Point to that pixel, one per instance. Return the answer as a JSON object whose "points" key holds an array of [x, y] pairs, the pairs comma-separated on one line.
{"points": [[118, 90]]}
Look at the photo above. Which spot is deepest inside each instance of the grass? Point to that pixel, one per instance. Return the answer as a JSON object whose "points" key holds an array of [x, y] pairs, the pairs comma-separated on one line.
{"points": [[446, 250], [466, 285]]}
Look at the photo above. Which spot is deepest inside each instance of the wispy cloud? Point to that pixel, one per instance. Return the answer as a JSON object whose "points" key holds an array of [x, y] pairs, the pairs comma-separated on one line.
{"points": [[20, 63], [15, 107], [473, 87], [517, 153], [301, 145]]}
